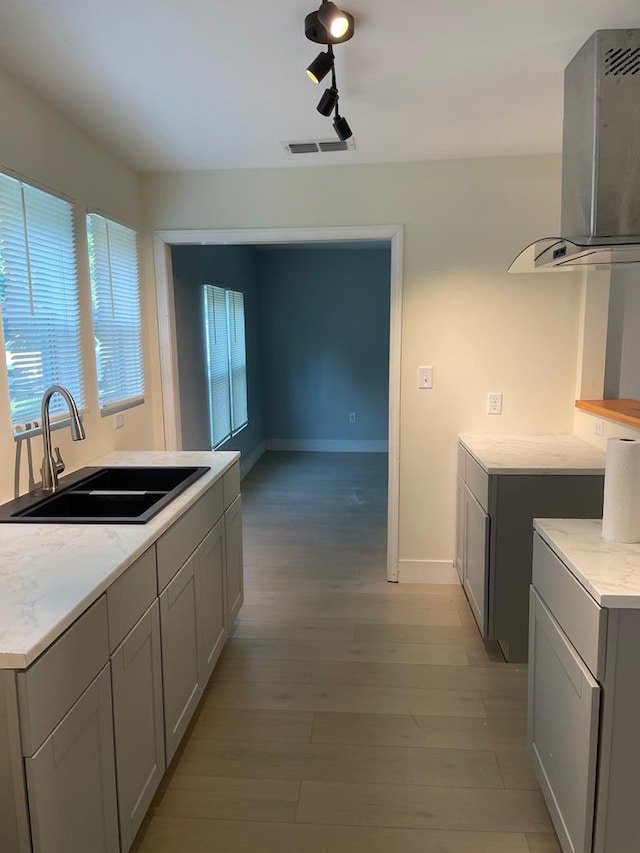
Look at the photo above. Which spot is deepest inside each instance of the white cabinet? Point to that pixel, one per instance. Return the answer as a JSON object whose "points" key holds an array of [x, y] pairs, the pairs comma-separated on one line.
{"points": [[136, 674], [193, 604], [584, 706], [66, 736], [564, 711], [92, 724], [212, 621], [233, 537], [476, 558], [71, 779], [182, 684]]}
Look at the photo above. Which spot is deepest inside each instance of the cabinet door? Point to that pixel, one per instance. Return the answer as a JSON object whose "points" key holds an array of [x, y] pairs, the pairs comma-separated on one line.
{"points": [[212, 624], [234, 576], [138, 722], [564, 710], [460, 529], [476, 558], [71, 779], [182, 683]]}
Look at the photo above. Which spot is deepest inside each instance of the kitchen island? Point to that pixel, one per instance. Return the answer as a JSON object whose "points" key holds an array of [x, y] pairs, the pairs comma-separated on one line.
{"points": [[108, 636], [504, 481]]}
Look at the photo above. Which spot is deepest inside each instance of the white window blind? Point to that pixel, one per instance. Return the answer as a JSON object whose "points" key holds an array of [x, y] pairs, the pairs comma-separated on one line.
{"points": [[115, 293], [237, 359], [38, 299], [224, 330]]}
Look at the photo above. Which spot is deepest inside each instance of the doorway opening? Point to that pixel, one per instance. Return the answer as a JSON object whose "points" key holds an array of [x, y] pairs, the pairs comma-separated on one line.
{"points": [[392, 236]]}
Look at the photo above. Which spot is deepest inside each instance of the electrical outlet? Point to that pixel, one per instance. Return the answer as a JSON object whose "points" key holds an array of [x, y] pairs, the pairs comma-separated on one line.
{"points": [[119, 421], [494, 403], [425, 377], [598, 427], [352, 417]]}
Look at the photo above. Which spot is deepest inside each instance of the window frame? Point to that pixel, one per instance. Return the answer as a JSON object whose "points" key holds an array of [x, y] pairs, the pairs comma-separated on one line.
{"points": [[233, 430], [26, 428], [130, 402]]}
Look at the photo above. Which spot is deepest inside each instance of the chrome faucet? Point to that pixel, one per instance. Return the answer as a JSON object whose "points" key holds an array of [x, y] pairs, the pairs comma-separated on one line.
{"points": [[52, 467]]}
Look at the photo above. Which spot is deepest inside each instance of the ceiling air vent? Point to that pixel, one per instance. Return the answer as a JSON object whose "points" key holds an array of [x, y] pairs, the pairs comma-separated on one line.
{"points": [[318, 146]]}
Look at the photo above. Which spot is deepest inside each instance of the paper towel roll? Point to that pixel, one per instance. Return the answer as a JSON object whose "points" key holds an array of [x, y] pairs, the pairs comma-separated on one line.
{"points": [[621, 512]]}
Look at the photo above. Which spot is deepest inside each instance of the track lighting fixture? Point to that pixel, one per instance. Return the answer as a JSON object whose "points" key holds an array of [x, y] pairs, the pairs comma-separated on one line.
{"points": [[328, 101], [341, 127], [333, 20], [321, 66], [329, 25]]}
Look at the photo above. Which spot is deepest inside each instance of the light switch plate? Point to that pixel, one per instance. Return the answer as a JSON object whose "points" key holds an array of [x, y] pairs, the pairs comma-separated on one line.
{"points": [[425, 377], [119, 421]]}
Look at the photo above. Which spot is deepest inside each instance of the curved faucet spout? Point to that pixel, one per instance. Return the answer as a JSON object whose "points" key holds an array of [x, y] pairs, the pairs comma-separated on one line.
{"points": [[52, 467]]}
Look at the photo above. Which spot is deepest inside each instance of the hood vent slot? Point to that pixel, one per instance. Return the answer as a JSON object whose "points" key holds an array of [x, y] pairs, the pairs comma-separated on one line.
{"points": [[619, 63]]}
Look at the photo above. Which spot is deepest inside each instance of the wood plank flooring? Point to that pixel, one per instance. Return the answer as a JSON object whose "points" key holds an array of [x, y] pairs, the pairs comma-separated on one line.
{"points": [[346, 714]]}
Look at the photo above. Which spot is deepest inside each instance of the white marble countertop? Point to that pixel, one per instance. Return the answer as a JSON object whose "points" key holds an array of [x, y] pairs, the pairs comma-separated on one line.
{"points": [[51, 573], [609, 571], [534, 454]]}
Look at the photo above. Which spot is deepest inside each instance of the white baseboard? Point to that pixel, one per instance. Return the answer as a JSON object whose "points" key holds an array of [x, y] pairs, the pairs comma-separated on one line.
{"points": [[327, 446], [427, 571], [247, 462]]}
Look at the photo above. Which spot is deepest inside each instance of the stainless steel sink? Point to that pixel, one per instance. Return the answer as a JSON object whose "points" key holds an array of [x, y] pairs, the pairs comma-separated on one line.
{"points": [[104, 495]]}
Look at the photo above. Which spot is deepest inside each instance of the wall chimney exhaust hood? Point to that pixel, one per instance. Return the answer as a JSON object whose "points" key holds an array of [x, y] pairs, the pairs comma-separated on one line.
{"points": [[600, 161]]}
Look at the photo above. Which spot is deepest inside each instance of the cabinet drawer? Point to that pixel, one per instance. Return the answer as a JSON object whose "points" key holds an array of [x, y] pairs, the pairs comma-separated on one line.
{"points": [[48, 689], [478, 481], [130, 596], [582, 620], [180, 541], [231, 484]]}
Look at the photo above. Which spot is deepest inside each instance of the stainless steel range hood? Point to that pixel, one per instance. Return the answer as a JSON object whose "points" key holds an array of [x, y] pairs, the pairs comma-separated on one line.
{"points": [[600, 161]]}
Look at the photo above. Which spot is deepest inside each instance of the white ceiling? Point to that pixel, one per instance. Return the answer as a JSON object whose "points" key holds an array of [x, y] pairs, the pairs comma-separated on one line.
{"points": [[216, 84]]}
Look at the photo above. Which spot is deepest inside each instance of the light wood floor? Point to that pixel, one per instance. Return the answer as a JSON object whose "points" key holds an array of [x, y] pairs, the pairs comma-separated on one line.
{"points": [[346, 714]]}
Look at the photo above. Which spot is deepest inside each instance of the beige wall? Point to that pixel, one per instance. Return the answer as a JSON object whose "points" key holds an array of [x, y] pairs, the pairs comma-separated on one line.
{"points": [[480, 328], [39, 145]]}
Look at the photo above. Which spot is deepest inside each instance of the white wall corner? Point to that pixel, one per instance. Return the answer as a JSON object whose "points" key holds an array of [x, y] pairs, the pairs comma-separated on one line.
{"points": [[249, 460], [592, 335], [427, 571]]}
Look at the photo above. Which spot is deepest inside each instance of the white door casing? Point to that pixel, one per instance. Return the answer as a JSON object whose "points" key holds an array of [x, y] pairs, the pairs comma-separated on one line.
{"points": [[162, 242]]}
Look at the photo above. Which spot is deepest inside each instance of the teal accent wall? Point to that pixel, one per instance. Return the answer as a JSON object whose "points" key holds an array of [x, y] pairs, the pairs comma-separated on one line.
{"points": [[324, 327], [226, 266]]}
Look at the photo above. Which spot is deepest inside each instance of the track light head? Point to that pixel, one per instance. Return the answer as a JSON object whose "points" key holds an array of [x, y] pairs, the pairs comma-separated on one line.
{"points": [[339, 26], [320, 67], [342, 129], [333, 20], [328, 101]]}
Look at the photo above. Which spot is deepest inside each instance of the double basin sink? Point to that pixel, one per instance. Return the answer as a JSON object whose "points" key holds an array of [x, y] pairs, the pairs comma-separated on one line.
{"points": [[104, 495]]}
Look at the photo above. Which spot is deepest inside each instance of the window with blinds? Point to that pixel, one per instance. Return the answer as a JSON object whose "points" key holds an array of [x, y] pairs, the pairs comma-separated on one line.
{"points": [[115, 294], [38, 300], [224, 330]]}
